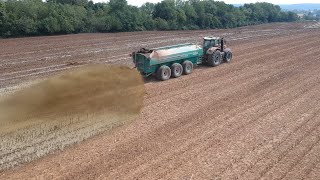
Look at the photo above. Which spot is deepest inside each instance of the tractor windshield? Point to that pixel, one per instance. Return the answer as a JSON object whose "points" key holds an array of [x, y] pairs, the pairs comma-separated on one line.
{"points": [[213, 43], [206, 43]]}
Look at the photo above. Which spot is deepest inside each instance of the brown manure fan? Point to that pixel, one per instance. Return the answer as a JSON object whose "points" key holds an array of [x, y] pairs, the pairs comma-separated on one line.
{"points": [[95, 89]]}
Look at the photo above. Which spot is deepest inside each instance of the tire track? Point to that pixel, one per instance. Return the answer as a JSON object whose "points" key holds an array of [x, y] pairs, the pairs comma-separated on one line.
{"points": [[312, 136], [178, 125], [230, 74], [213, 122], [224, 137], [60, 69]]}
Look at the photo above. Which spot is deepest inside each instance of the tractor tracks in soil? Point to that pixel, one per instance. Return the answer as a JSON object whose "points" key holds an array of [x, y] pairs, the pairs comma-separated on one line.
{"points": [[48, 63], [257, 117]]}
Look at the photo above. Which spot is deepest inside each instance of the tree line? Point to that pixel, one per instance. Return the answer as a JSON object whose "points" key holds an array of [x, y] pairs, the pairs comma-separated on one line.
{"points": [[35, 17]]}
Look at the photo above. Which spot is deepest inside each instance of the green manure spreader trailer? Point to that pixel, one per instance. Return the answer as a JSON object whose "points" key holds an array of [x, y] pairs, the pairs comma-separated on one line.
{"points": [[173, 61]]}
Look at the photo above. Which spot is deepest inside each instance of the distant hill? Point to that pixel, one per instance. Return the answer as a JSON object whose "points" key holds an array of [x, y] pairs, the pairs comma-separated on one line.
{"points": [[290, 7], [304, 7]]}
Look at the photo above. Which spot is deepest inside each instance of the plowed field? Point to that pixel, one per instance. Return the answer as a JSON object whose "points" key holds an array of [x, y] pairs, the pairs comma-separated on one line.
{"points": [[255, 118]]}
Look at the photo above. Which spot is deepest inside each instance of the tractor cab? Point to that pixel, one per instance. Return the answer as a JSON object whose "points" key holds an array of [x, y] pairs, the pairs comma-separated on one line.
{"points": [[209, 42]]}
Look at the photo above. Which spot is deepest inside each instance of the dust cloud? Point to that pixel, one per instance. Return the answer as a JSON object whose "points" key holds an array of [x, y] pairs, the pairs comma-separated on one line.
{"points": [[91, 89]]}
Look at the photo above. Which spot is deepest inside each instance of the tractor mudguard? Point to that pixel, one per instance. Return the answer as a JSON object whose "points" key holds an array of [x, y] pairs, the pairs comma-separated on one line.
{"points": [[212, 50], [227, 49]]}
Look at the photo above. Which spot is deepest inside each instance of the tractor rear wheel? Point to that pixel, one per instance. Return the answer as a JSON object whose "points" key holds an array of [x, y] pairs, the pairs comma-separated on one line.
{"points": [[215, 59], [164, 73], [176, 70], [227, 56], [187, 67]]}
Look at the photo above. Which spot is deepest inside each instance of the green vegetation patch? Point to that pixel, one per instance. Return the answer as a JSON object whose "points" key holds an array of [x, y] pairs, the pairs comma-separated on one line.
{"points": [[35, 17]]}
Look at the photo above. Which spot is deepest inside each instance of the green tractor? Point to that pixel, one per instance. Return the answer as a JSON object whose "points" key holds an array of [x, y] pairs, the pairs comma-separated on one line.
{"points": [[215, 51], [173, 61]]}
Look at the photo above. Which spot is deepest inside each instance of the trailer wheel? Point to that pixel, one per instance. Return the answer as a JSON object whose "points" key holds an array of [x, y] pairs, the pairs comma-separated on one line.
{"points": [[227, 56], [164, 73], [215, 59], [176, 70], [187, 67]]}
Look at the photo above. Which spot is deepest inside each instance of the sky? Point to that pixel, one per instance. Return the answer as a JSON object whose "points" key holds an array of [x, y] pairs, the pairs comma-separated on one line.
{"points": [[140, 2]]}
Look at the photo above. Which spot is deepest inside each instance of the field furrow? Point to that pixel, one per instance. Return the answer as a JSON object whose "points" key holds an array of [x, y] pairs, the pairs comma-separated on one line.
{"points": [[257, 117]]}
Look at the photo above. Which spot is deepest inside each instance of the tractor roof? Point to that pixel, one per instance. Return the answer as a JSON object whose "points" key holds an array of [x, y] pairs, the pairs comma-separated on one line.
{"points": [[211, 38]]}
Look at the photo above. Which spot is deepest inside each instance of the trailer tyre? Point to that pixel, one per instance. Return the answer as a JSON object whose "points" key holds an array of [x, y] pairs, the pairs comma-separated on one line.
{"points": [[215, 59], [187, 67], [176, 70], [164, 73], [227, 56]]}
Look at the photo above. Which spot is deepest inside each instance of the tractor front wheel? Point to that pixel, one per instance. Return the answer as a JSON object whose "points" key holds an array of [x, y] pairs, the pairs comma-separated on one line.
{"points": [[227, 56], [176, 70], [164, 73]]}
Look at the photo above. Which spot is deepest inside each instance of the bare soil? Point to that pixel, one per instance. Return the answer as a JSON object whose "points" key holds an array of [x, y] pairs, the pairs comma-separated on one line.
{"points": [[255, 118]]}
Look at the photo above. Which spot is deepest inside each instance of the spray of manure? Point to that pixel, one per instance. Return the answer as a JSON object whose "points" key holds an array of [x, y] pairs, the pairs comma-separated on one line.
{"points": [[86, 90]]}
